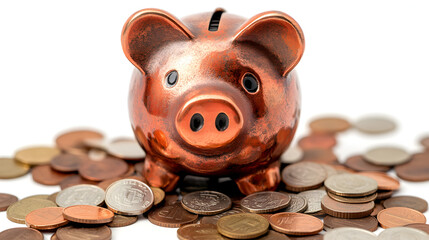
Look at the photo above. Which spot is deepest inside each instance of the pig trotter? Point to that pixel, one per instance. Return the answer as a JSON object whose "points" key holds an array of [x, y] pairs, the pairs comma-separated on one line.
{"points": [[158, 176], [266, 179]]}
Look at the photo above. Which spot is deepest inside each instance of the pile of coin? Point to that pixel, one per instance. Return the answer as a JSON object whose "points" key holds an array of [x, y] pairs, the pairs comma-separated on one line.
{"points": [[102, 188]]}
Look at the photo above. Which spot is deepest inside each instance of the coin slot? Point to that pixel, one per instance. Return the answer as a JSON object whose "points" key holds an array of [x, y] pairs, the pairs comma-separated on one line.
{"points": [[215, 20]]}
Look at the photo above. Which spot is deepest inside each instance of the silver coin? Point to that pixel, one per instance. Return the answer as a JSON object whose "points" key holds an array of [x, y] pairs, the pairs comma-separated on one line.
{"points": [[206, 202], [265, 202], [292, 155], [129, 197], [298, 204], [349, 233], [126, 149], [403, 233], [387, 156], [351, 185], [314, 199], [375, 125], [82, 194]]}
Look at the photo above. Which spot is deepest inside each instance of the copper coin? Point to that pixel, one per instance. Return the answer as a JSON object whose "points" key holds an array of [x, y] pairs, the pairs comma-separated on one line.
{"points": [[416, 170], [158, 195], [420, 226], [88, 214], [303, 176], [19, 210], [358, 163], [399, 216], [273, 235], [199, 231], [375, 125], [381, 195], [387, 156], [265, 202], [105, 169], [75, 180], [66, 162], [214, 218], [139, 167], [206, 202], [317, 141], [368, 223], [6, 200], [296, 224], [171, 215], [128, 149], [329, 125], [75, 139], [346, 210], [84, 233], [363, 199], [122, 221], [45, 175], [384, 181], [54, 237], [407, 201], [21, 234], [378, 207], [106, 183], [311, 237], [46, 218], [325, 156]]}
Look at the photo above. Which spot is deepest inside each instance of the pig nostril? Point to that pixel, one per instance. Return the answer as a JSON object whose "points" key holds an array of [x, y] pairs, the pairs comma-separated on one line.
{"points": [[222, 122], [197, 122]]}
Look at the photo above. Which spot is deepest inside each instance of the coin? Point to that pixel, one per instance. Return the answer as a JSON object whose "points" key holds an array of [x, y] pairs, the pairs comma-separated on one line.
{"points": [[399, 216], [384, 181], [158, 195], [75, 180], [416, 170], [324, 156], [171, 215], [84, 233], [314, 198], [106, 183], [378, 207], [368, 223], [71, 140], [199, 231], [297, 204], [21, 234], [66, 162], [129, 197], [265, 202], [36, 155], [273, 235], [46, 218], [45, 175], [206, 202], [88, 214], [6, 200], [346, 233], [54, 237], [214, 218], [292, 155], [139, 167], [83, 194], [381, 195], [128, 149], [242, 226], [412, 202], [375, 125], [420, 226], [329, 125], [363, 199], [296, 223], [346, 210], [122, 221], [38, 196], [358, 163], [311, 237], [53, 197], [9, 168], [105, 169], [317, 141], [19, 210], [387, 156], [350, 185], [303, 176], [398, 233]]}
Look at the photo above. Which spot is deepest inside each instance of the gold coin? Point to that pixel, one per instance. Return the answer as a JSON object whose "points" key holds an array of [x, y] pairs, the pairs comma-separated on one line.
{"points": [[243, 226], [19, 210], [36, 155], [9, 168], [364, 199], [38, 196], [158, 194]]}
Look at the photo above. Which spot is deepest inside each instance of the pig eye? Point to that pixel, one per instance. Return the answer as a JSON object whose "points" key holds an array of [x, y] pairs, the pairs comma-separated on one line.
{"points": [[250, 83], [171, 78]]}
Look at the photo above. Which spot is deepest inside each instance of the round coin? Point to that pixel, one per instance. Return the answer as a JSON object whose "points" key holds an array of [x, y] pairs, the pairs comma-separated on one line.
{"points": [[346, 210], [416, 170], [412, 202], [265, 202], [381, 195], [6, 200], [323, 156], [292, 155], [20, 234], [46, 218], [206, 202], [364, 199], [128, 149], [9, 168], [420, 226], [76, 139], [399, 216], [329, 125], [311, 237], [199, 231], [88, 214], [45, 175], [104, 169], [214, 218], [242, 226], [158, 195], [122, 221], [358, 163], [387, 156], [350, 185], [375, 125], [171, 215], [66, 162], [314, 198], [346, 233], [83, 194], [129, 197], [75, 180], [36, 155], [398, 233], [317, 141], [368, 223], [19, 210], [378, 207], [297, 204], [84, 233], [296, 223], [384, 181], [303, 176]]}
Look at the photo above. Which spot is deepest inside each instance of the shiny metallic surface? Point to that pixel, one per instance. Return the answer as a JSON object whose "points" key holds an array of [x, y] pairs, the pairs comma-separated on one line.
{"points": [[83, 194]]}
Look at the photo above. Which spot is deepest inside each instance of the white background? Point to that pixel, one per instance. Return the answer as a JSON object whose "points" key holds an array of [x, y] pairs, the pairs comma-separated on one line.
{"points": [[62, 66]]}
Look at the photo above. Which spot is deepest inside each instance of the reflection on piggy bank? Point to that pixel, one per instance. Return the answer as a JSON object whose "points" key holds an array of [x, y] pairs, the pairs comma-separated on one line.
{"points": [[214, 94]]}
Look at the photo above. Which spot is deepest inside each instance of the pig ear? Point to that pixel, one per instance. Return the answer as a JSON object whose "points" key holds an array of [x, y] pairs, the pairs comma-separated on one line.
{"points": [[277, 33], [147, 31]]}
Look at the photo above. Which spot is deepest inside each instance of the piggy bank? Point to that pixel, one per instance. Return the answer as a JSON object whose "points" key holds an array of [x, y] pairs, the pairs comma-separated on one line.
{"points": [[213, 94]]}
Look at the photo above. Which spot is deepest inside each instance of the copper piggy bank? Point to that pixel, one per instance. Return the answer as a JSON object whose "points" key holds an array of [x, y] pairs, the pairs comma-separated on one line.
{"points": [[213, 94]]}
